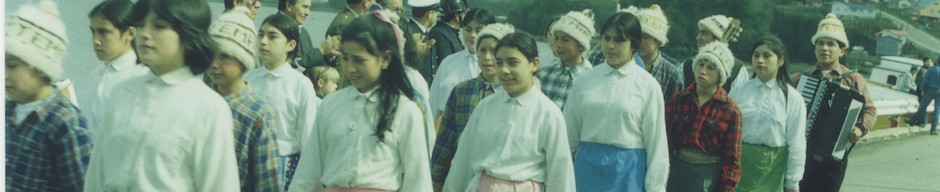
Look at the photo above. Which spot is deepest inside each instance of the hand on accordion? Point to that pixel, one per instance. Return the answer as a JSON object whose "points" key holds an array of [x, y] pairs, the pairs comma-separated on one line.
{"points": [[856, 134]]}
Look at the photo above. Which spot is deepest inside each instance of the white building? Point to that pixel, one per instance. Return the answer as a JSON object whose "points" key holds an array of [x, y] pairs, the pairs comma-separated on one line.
{"points": [[854, 10]]}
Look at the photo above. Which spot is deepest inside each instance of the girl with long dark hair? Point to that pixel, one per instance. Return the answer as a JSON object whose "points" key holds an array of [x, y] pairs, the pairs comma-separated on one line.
{"points": [[373, 139], [773, 123]]}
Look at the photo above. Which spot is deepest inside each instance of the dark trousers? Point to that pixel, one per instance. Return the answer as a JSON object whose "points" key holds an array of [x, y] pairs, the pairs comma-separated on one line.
{"points": [[823, 176]]}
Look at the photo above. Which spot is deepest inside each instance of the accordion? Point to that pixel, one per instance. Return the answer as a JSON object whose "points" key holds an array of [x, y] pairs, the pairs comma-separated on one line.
{"points": [[832, 110]]}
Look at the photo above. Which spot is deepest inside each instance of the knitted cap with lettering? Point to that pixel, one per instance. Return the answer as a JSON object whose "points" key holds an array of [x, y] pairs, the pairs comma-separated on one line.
{"points": [[831, 27], [718, 53], [726, 29], [36, 35], [654, 23], [497, 30], [234, 31], [578, 25]]}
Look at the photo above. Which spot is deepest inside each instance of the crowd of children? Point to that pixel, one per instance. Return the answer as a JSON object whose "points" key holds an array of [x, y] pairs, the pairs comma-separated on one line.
{"points": [[183, 102]]}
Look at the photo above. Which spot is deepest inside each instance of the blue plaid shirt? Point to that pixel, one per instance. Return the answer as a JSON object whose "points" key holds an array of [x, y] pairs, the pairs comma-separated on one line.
{"points": [[463, 99], [668, 74], [254, 142], [557, 79], [49, 150]]}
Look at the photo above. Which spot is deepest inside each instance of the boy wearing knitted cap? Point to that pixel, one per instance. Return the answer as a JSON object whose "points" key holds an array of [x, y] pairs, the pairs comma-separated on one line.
{"points": [[255, 146], [572, 33], [704, 127], [460, 66], [655, 26], [722, 29], [47, 143], [830, 42], [464, 98]]}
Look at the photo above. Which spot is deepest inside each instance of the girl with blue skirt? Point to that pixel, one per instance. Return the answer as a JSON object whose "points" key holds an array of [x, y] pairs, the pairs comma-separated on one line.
{"points": [[616, 126]]}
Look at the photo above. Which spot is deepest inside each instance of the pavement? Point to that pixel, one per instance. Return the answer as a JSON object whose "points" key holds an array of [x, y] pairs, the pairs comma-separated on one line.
{"points": [[894, 133]]}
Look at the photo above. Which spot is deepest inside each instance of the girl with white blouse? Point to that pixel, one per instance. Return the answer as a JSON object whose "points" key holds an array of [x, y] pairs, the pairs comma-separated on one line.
{"points": [[515, 139], [615, 116], [373, 138], [773, 124], [167, 130], [290, 94]]}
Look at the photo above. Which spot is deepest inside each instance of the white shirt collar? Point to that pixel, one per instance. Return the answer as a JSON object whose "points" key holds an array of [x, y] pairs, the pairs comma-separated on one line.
{"points": [[527, 98], [623, 70], [370, 95], [122, 62], [280, 71], [173, 77], [769, 84]]}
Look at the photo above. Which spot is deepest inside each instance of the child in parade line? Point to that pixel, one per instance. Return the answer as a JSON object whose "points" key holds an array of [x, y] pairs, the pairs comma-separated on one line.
{"points": [[615, 115], [255, 146], [830, 42], [167, 131], [289, 93], [515, 139], [462, 65], [773, 125], [464, 98], [655, 27], [325, 80], [572, 34], [373, 137], [47, 141], [112, 36], [722, 29], [704, 127]]}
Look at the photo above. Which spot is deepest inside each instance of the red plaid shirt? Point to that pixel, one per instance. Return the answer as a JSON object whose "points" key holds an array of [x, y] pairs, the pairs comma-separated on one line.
{"points": [[714, 128]]}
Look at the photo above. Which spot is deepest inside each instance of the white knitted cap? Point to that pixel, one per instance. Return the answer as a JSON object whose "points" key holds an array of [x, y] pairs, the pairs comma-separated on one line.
{"points": [[831, 27], [234, 31], [579, 25], [497, 30], [719, 25], [654, 23], [718, 53], [36, 35]]}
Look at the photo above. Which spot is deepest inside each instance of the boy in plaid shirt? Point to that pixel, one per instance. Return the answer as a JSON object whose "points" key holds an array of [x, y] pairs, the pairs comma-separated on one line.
{"points": [[47, 142], [254, 141]]}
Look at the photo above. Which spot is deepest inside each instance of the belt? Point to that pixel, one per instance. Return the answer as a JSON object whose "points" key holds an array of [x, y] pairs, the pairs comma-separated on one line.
{"points": [[694, 156]]}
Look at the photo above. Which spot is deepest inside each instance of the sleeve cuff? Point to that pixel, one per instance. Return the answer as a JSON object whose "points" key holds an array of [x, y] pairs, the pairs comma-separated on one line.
{"points": [[790, 184]]}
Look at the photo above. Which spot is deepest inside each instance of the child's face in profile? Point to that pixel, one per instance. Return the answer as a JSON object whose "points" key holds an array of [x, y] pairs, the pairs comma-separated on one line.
{"points": [[327, 87]]}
